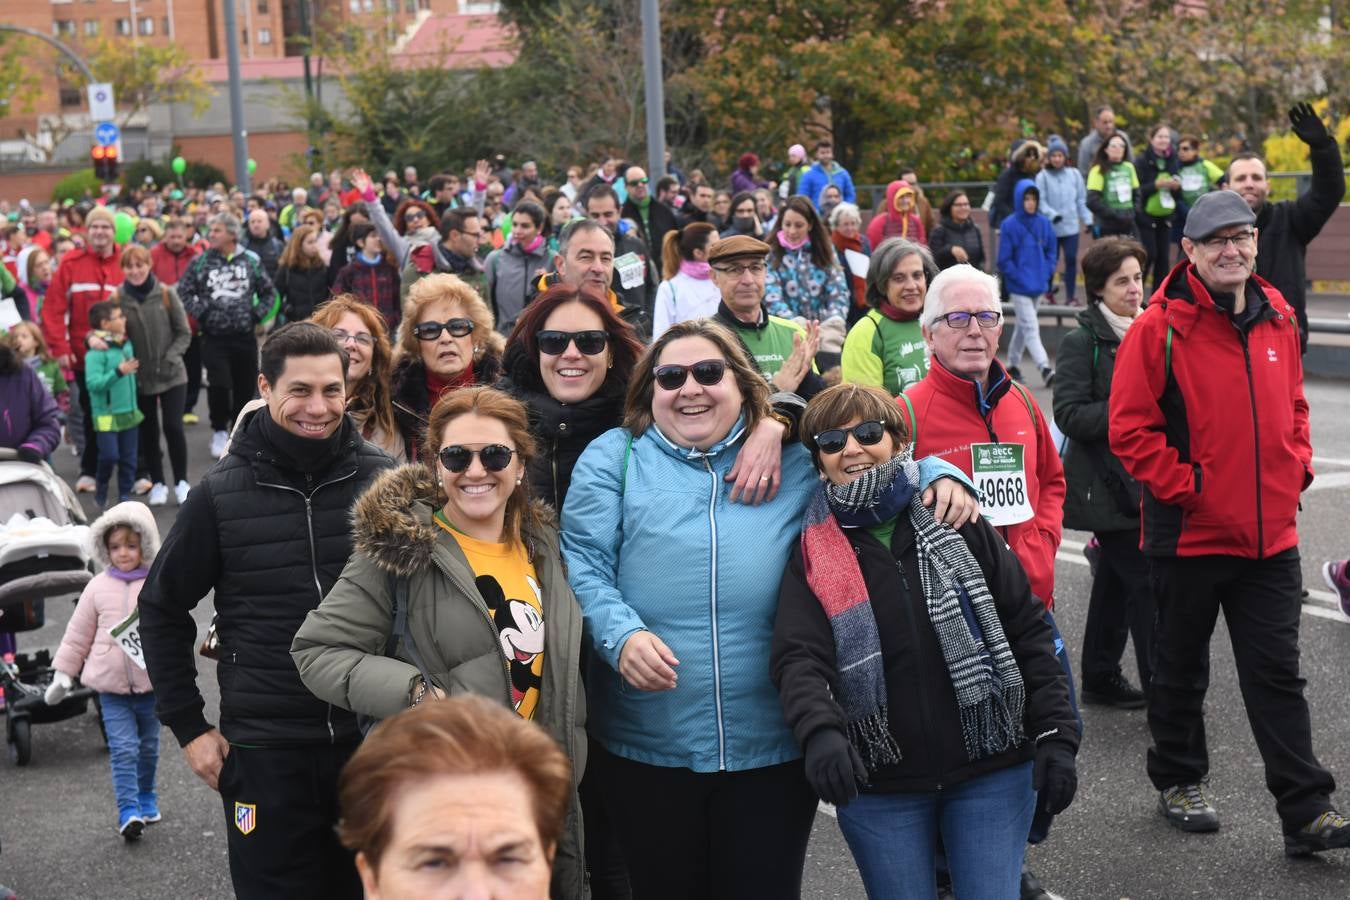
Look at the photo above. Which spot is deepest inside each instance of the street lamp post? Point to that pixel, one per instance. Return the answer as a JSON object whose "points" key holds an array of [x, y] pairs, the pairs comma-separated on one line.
{"points": [[241, 176], [655, 88]]}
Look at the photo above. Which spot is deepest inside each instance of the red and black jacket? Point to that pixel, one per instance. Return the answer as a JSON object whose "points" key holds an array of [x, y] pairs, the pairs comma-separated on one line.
{"points": [[1207, 411]]}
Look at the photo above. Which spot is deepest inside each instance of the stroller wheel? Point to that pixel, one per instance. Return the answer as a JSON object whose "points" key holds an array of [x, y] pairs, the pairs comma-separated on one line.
{"points": [[20, 741]]}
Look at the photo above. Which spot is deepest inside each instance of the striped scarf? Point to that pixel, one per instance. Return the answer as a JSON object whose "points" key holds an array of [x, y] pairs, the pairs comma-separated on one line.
{"points": [[984, 674]]}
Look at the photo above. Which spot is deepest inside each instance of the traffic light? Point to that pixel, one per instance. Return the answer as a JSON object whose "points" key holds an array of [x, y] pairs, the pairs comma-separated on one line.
{"points": [[105, 162]]}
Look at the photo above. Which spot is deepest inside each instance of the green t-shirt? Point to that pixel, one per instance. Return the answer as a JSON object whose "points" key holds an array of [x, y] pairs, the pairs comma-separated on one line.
{"points": [[885, 353], [1197, 179], [883, 532], [1117, 184], [771, 345]]}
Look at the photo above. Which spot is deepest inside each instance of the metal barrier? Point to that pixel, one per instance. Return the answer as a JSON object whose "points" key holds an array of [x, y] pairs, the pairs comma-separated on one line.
{"points": [[1061, 313]]}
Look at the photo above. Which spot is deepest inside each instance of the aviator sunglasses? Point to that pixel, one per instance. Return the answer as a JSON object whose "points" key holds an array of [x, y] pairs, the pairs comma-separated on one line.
{"points": [[494, 457], [833, 440], [706, 372], [554, 343]]}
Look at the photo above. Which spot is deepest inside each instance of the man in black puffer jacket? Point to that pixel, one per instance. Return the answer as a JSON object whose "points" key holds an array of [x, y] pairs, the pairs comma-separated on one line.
{"points": [[268, 530]]}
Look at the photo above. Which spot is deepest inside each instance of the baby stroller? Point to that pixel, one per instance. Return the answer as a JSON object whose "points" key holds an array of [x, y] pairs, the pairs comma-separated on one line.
{"points": [[43, 555]]}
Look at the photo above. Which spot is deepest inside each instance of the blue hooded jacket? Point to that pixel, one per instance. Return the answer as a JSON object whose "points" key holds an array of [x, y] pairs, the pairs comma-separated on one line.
{"points": [[1027, 249]]}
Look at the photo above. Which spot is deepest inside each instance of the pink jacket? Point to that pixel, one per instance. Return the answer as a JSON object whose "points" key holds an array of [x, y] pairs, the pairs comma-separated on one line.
{"points": [[87, 649]]}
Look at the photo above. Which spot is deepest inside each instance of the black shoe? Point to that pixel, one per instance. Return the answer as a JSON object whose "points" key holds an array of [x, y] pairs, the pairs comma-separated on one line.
{"points": [[1329, 831], [1116, 691], [1031, 886], [1015, 373], [1186, 807], [1047, 376]]}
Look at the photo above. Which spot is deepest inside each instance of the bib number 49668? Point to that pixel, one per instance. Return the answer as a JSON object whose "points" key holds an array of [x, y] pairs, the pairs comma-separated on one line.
{"points": [[1000, 475]]}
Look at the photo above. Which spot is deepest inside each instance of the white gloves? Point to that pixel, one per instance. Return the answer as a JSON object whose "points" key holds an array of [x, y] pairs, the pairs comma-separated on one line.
{"points": [[57, 690]]}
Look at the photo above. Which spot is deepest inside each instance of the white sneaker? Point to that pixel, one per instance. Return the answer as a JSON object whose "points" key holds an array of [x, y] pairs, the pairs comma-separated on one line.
{"points": [[159, 494], [180, 492], [218, 441], [85, 484], [142, 486]]}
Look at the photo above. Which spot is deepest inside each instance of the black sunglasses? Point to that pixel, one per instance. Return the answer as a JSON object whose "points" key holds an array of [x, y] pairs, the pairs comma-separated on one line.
{"points": [[554, 343], [430, 331], [706, 372], [414, 214], [494, 457], [866, 433]]}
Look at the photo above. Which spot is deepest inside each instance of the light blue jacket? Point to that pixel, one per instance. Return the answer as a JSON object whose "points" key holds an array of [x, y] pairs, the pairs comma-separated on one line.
{"points": [[816, 179], [654, 543], [1064, 195]]}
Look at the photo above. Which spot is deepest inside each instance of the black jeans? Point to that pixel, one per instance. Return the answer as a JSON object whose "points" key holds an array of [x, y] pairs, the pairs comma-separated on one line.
{"points": [[1121, 605], [286, 801], [1262, 607], [710, 835], [152, 460], [88, 459], [604, 853], [1156, 236], [232, 368], [192, 359]]}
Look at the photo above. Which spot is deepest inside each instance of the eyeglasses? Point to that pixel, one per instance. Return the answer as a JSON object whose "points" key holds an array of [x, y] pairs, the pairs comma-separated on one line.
{"points": [[361, 337], [706, 372], [960, 321], [754, 268], [430, 331], [413, 214], [1219, 244], [554, 343], [834, 440], [636, 181], [494, 457]]}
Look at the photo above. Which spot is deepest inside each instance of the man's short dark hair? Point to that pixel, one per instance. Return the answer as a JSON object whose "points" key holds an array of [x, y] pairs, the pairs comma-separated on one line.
{"points": [[666, 183], [454, 220], [101, 312], [297, 339], [1243, 156], [576, 229], [824, 143], [599, 192], [1097, 113], [438, 182]]}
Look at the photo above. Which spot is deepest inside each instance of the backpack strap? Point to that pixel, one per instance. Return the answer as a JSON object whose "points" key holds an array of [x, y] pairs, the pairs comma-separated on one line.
{"points": [[1167, 365], [1031, 407], [398, 632], [913, 420]]}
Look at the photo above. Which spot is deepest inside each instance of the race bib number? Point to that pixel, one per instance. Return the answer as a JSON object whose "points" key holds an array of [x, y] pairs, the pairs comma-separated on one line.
{"points": [[1166, 200], [631, 269], [1192, 181], [1123, 192], [1000, 475], [127, 634]]}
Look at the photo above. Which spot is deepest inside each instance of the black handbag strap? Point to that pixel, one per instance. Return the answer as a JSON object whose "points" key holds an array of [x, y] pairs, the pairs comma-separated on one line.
{"points": [[398, 589]]}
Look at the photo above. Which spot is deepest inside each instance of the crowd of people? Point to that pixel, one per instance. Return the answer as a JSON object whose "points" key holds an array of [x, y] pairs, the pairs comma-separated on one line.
{"points": [[729, 493]]}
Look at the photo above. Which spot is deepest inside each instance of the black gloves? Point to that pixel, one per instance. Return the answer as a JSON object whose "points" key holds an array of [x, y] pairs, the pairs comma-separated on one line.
{"points": [[28, 454], [1308, 125], [1055, 777], [834, 768]]}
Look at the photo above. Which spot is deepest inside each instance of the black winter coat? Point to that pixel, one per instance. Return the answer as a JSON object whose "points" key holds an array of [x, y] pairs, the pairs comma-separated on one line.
{"points": [[923, 714], [949, 234], [302, 291], [412, 401], [1286, 228], [271, 540], [1100, 495], [561, 430], [269, 250]]}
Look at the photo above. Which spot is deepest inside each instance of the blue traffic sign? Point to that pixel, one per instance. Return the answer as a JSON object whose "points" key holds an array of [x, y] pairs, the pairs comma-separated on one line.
{"points": [[107, 134]]}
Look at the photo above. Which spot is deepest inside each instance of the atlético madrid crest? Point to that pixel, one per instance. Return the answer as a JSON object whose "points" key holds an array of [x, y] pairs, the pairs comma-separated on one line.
{"points": [[245, 817]]}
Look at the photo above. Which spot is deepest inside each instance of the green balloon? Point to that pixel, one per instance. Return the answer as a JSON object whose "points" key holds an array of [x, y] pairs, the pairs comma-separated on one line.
{"points": [[179, 165], [124, 226], [252, 166]]}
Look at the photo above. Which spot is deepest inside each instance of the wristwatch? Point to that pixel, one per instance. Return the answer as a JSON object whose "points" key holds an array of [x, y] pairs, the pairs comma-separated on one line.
{"points": [[787, 423]]}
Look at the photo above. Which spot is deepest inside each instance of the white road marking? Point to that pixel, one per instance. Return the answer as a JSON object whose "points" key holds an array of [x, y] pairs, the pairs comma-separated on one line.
{"points": [[1326, 482], [1331, 461], [828, 810]]}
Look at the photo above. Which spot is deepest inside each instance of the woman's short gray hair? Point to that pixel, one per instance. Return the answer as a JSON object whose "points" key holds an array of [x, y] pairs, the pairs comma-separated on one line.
{"points": [[884, 260], [845, 211], [934, 305]]}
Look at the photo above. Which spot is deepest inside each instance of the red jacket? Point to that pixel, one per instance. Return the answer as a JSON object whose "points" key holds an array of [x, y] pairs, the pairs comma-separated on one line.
{"points": [[81, 280], [948, 420], [169, 266], [1215, 428]]}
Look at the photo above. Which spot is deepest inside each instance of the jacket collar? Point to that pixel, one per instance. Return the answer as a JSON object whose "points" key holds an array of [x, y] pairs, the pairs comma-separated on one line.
{"points": [[728, 318], [693, 454], [1185, 298], [984, 397], [1094, 322]]}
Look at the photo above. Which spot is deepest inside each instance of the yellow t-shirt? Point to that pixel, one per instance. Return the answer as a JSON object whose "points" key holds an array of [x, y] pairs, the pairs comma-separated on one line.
{"points": [[510, 586]]}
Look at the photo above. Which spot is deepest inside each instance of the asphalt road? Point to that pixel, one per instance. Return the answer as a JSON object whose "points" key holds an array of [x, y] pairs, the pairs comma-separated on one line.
{"points": [[57, 817]]}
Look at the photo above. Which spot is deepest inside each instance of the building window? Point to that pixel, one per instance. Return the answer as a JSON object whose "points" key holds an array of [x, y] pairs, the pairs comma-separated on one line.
{"points": [[146, 25], [123, 27], [262, 8], [63, 27], [91, 27], [410, 6], [355, 5], [168, 26], [71, 96], [369, 5], [264, 35]]}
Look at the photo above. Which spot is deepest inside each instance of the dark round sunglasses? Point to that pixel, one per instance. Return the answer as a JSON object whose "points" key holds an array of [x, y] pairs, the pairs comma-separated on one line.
{"points": [[494, 457], [554, 343], [430, 331], [833, 440], [706, 372]]}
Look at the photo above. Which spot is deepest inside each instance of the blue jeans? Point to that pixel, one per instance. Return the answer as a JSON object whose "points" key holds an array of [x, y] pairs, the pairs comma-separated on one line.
{"points": [[983, 824], [116, 449], [133, 750], [1068, 246]]}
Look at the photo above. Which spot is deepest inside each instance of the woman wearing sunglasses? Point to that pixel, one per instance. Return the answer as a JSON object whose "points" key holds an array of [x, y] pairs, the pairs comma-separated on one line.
{"points": [[361, 331], [915, 667], [697, 767], [446, 343], [483, 602]]}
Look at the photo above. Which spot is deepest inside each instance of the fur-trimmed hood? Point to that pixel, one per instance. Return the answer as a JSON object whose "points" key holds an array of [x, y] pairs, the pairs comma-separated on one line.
{"points": [[136, 516], [391, 522]]}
